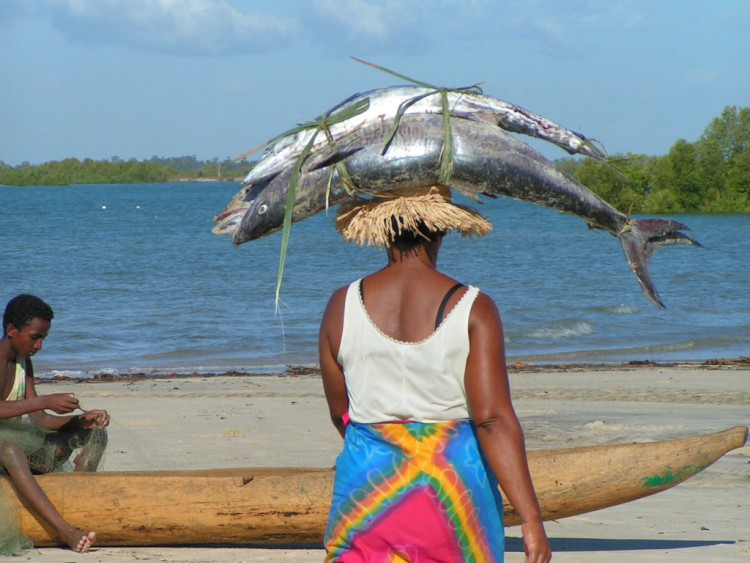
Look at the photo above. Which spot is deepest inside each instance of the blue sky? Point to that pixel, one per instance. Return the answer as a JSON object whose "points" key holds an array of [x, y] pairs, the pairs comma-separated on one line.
{"points": [[138, 78]]}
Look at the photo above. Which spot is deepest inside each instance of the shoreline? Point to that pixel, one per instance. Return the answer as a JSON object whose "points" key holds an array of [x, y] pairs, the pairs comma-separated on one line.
{"points": [[740, 362]]}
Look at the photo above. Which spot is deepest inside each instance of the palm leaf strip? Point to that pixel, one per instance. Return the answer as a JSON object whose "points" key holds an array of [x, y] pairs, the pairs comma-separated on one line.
{"points": [[447, 152], [322, 123]]}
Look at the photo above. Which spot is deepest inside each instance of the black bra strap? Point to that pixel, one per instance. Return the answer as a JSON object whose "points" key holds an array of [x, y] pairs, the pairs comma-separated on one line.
{"points": [[444, 303], [362, 290]]}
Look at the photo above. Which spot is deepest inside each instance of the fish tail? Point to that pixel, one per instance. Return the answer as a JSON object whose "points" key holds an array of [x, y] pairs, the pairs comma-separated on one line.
{"points": [[641, 237]]}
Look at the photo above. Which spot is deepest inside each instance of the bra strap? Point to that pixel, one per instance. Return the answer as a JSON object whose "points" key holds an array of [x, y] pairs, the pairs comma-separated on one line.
{"points": [[441, 310]]}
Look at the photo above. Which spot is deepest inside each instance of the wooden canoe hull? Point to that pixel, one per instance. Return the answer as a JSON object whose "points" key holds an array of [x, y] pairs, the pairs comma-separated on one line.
{"points": [[289, 506]]}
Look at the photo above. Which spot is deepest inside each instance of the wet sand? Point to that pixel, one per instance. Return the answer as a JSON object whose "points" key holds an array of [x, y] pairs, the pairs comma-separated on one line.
{"points": [[242, 421]]}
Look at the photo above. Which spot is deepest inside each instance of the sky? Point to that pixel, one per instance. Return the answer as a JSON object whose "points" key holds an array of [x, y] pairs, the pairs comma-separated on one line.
{"points": [[211, 79]]}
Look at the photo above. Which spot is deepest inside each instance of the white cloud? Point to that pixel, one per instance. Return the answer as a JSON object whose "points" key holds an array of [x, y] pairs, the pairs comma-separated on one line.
{"points": [[559, 28], [354, 15], [404, 27], [374, 20], [176, 26]]}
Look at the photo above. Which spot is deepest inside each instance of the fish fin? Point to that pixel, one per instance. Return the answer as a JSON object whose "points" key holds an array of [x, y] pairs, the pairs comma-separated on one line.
{"points": [[330, 158], [641, 239], [254, 179], [471, 192], [467, 192]]}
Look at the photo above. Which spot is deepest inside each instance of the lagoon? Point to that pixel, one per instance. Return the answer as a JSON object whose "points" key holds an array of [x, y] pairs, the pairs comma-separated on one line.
{"points": [[140, 284]]}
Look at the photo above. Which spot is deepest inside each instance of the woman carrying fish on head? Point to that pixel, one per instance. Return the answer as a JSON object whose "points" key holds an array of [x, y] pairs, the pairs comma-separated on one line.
{"points": [[413, 367]]}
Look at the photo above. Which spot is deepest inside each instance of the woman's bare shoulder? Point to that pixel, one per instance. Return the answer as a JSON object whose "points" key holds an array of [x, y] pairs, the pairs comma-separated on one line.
{"points": [[484, 309], [335, 306], [483, 301], [338, 296]]}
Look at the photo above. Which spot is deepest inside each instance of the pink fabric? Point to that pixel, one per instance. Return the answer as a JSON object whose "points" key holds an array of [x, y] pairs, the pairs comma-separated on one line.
{"points": [[418, 492], [420, 523]]}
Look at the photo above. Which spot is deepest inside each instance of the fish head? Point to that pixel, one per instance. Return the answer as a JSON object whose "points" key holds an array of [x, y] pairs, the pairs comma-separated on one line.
{"points": [[228, 221], [264, 210]]}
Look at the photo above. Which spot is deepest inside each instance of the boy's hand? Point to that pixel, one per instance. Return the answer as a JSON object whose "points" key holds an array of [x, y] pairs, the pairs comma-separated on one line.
{"points": [[61, 403], [94, 419]]}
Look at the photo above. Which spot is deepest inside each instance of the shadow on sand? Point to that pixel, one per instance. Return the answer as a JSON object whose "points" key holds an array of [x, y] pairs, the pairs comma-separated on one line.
{"points": [[602, 544]]}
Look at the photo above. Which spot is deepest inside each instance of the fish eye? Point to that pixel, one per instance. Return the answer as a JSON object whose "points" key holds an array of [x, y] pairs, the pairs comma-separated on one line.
{"points": [[262, 209]]}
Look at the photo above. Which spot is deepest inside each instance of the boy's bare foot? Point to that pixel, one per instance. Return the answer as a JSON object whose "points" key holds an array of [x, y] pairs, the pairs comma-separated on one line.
{"points": [[79, 541]]}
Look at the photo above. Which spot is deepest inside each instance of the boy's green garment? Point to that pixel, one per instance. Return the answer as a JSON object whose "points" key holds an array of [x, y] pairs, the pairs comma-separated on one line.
{"points": [[47, 451]]}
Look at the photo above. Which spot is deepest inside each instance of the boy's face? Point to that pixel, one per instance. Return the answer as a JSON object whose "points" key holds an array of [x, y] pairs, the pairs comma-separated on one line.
{"points": [[27, 340]]}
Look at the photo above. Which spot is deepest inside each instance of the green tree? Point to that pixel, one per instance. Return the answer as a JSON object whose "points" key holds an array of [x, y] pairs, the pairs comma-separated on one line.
{"points": [[731, 131], [659, 197], [686, 184], [622, 181], [712, 177], [725, 147]]}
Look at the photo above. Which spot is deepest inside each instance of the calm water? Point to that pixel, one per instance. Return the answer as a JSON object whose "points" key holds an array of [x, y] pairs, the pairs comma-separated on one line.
{"points": [[139, 283]]}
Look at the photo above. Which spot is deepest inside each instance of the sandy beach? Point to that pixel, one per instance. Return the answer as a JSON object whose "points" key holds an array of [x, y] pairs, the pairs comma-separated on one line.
{"points": [[243, 421]]}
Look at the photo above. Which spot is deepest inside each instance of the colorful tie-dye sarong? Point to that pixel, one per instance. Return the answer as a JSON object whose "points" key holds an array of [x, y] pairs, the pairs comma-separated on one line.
{"points": [[414, 492]]}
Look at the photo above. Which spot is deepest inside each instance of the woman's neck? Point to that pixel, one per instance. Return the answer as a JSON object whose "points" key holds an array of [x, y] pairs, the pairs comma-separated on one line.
{"points": [[417, 257]]}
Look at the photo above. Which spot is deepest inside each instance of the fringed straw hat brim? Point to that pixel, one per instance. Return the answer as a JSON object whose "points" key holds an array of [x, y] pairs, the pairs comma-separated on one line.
{"points": [[378, 221]]}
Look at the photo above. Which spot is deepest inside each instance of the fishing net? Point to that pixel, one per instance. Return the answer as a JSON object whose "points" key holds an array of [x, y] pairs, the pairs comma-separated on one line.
{"points": [[47, 451], [377, 222], [12, 541]]}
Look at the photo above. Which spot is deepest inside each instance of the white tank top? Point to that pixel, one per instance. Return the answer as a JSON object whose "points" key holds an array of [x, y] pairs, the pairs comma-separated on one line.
{"points": [[389, 380], [18, 391]]}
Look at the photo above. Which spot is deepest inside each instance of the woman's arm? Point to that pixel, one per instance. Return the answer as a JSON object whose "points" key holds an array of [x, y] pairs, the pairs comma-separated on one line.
{"points": [[328, 348], [499, 432]]}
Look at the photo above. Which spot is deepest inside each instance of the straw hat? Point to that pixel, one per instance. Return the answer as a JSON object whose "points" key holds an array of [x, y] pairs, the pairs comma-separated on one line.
{"points": [[377, 221]]}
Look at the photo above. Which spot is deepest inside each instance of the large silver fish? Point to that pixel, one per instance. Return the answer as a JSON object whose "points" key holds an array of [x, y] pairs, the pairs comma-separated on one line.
{"points": [[486, 160], [384, 103]]}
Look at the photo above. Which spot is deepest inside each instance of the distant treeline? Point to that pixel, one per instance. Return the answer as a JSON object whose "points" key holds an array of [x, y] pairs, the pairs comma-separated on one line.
{"points": [[118, 171], [711, 175]]}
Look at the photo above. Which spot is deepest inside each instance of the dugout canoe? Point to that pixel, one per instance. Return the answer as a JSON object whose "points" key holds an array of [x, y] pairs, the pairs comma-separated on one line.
{"points": [[289, 506]]}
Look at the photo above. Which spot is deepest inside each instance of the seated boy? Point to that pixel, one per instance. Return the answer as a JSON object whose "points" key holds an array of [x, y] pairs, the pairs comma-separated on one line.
{"points": [[46, 441]]}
